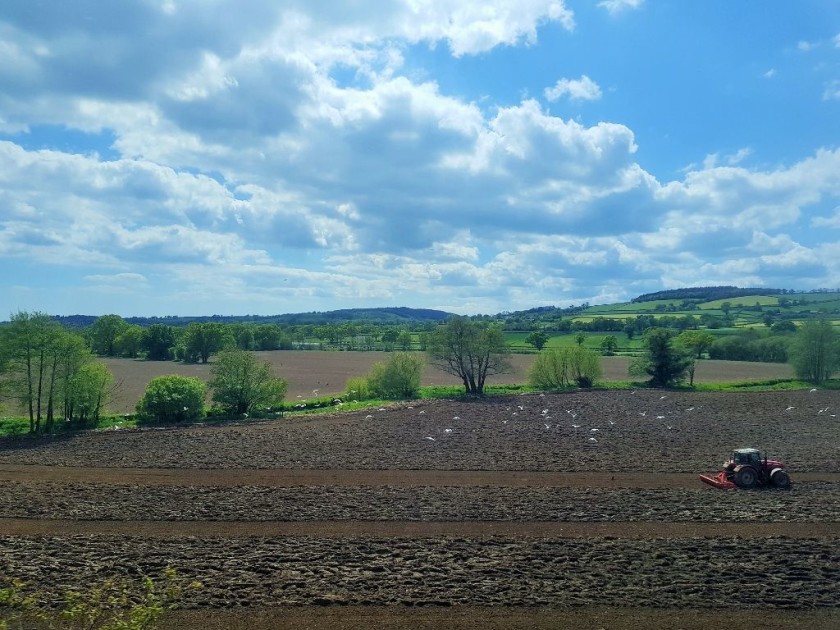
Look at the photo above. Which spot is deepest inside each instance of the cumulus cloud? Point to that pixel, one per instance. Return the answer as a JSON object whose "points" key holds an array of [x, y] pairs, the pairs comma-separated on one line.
{"points": [[583, 89], [289, 154], [617, 6]]}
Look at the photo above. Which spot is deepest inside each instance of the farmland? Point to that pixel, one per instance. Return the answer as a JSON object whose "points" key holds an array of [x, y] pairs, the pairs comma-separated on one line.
{"points": [[525, 511], [328, 372]]}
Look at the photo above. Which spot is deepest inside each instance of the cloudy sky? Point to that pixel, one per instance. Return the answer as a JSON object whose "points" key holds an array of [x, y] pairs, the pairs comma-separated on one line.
{"points": [[195, 157]]}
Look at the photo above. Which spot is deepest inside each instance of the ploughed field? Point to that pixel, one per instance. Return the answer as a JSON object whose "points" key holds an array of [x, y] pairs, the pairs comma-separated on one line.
{"points": [[534, 511]]}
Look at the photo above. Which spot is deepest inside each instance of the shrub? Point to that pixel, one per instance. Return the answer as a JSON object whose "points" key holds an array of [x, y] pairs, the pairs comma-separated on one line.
{"points": [[241, 383], [357, 388], [562, 367], [172, 398], [397, 378]]}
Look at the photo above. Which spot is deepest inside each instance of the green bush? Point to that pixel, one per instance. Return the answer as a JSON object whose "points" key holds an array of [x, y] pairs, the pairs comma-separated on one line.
{"points": [[559, 368], [241, 383], [172, 398], [357, 388], [397, 378]]}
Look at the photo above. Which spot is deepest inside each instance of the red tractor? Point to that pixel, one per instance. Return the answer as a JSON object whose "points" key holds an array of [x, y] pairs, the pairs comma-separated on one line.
{"points": [[747, 469]]}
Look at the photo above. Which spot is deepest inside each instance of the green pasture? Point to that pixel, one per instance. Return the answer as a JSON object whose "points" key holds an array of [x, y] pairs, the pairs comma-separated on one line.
{"points": [[563, 340]]}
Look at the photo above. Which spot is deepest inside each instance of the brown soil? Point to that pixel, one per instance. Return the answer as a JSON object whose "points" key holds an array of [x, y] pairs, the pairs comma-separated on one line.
{"points": [[350, 521], [311, 374]]}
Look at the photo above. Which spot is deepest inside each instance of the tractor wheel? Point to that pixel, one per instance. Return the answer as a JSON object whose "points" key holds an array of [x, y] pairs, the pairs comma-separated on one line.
{"points": [[780, 479], [745, 477]]}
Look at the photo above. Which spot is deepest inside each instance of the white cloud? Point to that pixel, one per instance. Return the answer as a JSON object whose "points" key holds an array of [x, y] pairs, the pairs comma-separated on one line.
{"points": [[806, 46], [770, 73], [832, 91], [583, 89], [836, 40], [617, 6]]}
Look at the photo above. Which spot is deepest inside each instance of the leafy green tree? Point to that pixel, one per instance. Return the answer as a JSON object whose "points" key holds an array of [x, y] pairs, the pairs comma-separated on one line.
{"points": [[202, 340], [580, 338], [104, 333], [31, 344], [537, 339], [241, 383], [130, 341], [783, 327], [404, 341], [159, 341], [389, 338], [86, 394], [696, 341], [609, 345], [397, 378], [560, 368], [172, 398], [663, 361], [630, 331], [470, 350], [815, 354]]}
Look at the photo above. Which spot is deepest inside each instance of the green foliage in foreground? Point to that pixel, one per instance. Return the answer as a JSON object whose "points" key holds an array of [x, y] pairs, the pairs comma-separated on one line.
{"points": [[114, 604]]}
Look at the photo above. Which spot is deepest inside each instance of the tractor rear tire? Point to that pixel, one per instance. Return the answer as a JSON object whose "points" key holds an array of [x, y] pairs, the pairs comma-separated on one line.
{"points": [[746, 477], [780, 479]]}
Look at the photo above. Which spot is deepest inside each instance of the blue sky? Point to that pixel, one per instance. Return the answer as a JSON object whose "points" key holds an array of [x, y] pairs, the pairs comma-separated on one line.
{"points": [[197, 157]]}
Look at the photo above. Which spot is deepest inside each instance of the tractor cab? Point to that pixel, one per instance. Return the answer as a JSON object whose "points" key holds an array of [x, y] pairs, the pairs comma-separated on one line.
{"points": [[746, 456]]}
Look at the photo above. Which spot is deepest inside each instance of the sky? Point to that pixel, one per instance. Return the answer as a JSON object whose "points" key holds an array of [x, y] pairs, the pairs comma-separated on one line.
{"points": [[232, 157]]}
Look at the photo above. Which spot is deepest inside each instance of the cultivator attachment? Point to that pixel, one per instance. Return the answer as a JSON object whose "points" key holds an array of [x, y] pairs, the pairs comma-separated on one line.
{"points": [[718, 481]]}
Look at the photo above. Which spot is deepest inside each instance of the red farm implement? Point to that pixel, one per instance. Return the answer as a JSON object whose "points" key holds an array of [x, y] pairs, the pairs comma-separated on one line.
{"points": [[747, 469]]}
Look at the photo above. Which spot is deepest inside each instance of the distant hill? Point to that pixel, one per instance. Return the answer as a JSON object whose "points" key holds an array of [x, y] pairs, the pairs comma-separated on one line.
{"points": [[706, 294], [386, 315]]}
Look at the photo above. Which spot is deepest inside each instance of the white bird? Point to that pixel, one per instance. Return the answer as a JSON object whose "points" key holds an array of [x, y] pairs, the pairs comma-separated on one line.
{"points": [[576, 426], [429, 437], [669, 427], [368, 417], [592, 440], [789, 408], [662, 397], [421, 413], [611, 422], [447, 430], [690, 409], [643, 413], [813, 390], [456, 418], [504, 421], [520, 407], [547, 426], [544, 411], [660, 417]]}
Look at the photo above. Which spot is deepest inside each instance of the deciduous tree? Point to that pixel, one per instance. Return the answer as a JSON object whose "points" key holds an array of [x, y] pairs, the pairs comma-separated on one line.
{"points": [[469, 350], [815, 354], [241, 383]]}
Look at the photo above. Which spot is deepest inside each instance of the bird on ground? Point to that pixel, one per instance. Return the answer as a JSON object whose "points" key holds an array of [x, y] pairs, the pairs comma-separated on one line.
{"points": [[660, 417], [690, 409], [593, 440], [812, 390], [789, 408], [643, 413], [662, 397], [456, 418], [421, 412], [447, 430], [429, 437], [547, 426]]}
